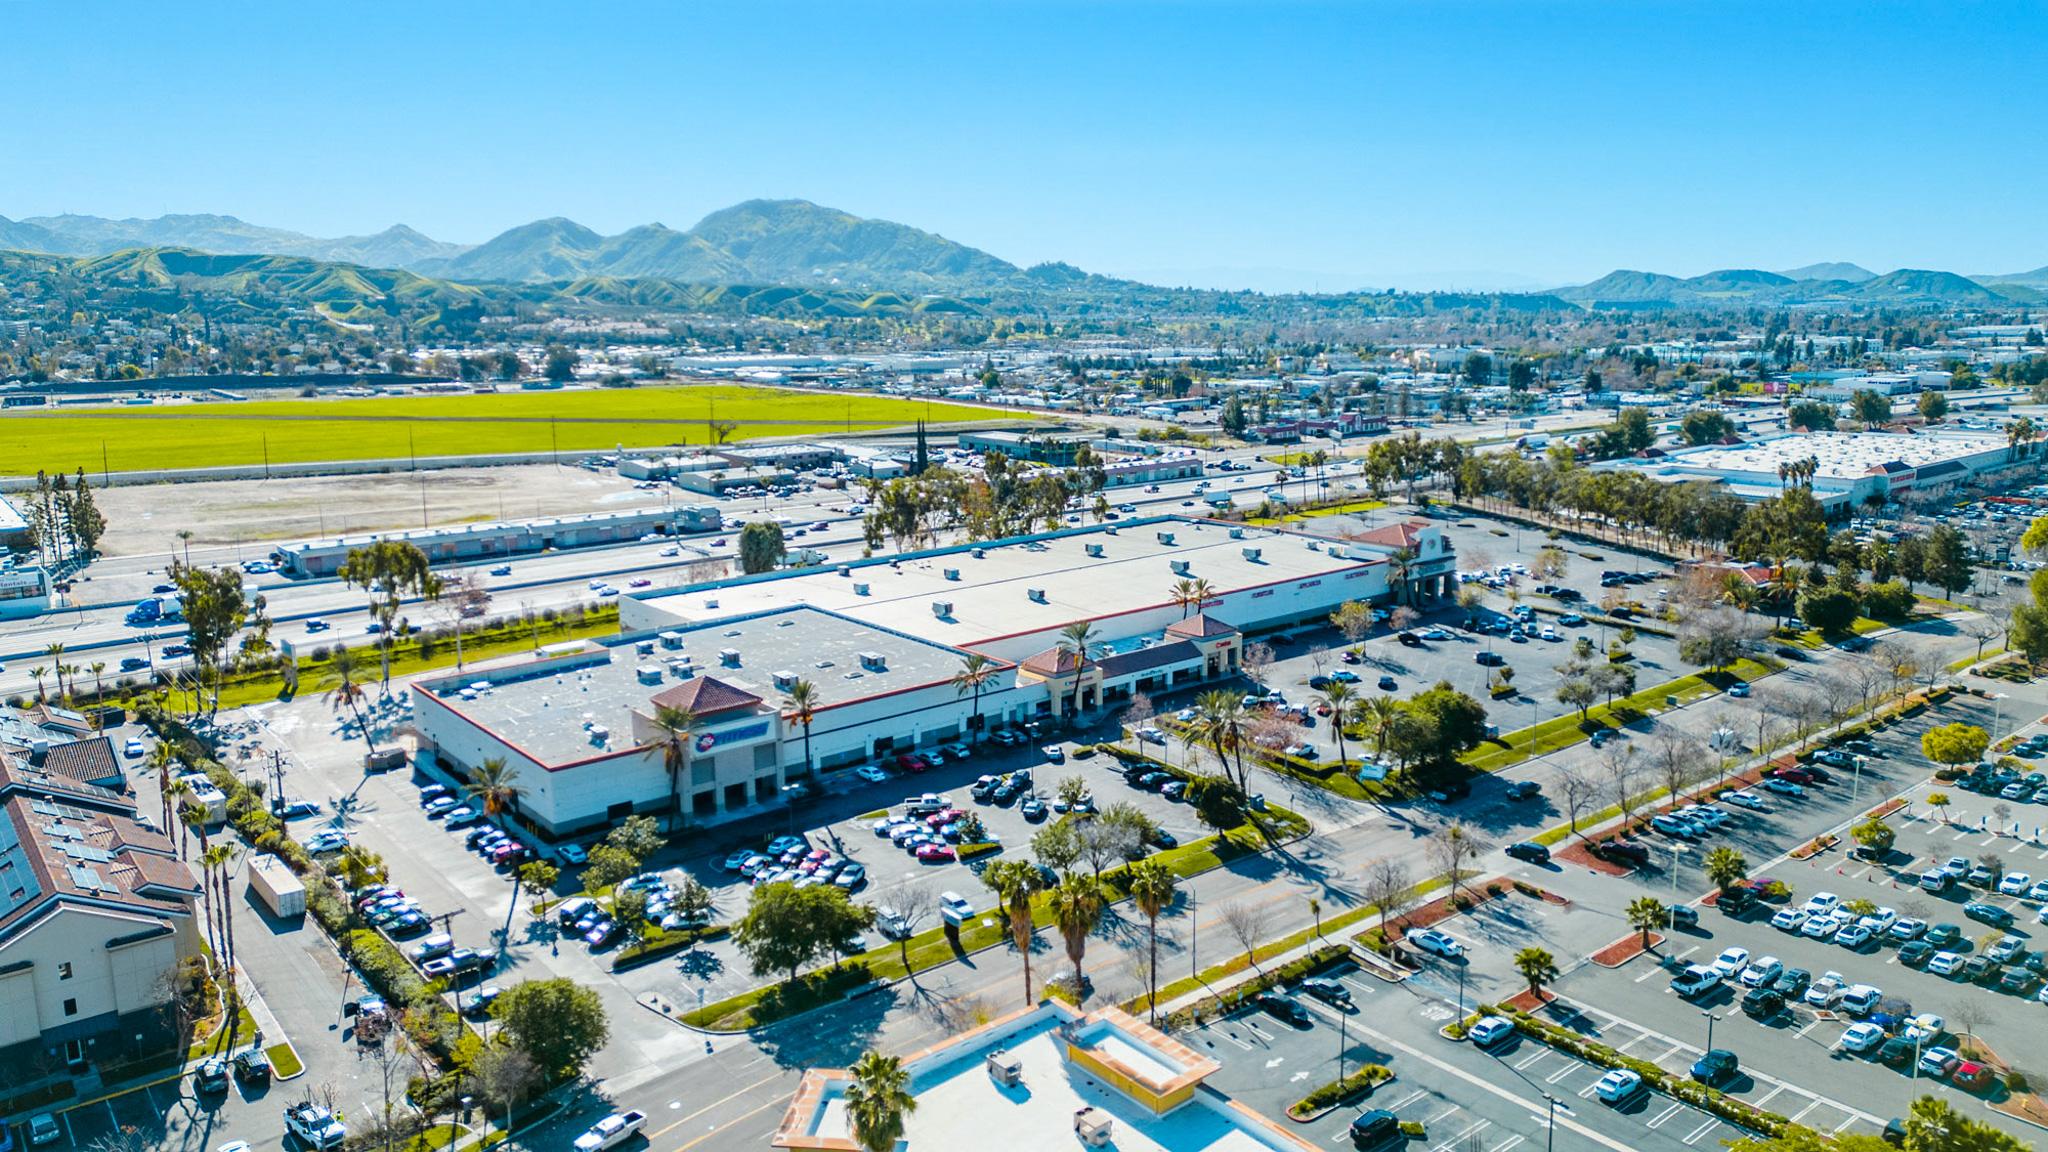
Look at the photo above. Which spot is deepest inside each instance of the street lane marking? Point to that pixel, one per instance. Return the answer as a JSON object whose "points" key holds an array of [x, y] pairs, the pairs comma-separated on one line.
{"points": [[734, 1123], [715, 1103]]}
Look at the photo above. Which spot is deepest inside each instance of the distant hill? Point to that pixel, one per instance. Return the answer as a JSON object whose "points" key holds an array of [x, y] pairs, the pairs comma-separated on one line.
{"points": [[20, 236], [1630, 289], [1833, 270], [69, 235]]}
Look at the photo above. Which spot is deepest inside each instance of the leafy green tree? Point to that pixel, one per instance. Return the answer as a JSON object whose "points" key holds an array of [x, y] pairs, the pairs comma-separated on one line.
{"points": [[608, 865], [1955, 743], [1950, 565], [389, 570], [761, 547], [639, 836], [1891, 600], [1933, 406], [1871, 407], [214, 610], [561, 364], [558, 1022], [1875, 836], [786, 927], [2029, 632], [1438, 725], [1831, 610], [1812, 416], [1057, 845], [1702, 426]]}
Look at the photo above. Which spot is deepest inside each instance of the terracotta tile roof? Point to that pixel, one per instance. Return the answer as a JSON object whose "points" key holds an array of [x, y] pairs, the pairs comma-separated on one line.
{"points": [[1052, 662], [89, 760], [1200, 626], [705, 696], [1406, 534]]}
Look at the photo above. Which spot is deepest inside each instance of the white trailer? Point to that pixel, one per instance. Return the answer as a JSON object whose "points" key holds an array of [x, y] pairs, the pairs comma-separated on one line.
{"points": [[273, 882]]}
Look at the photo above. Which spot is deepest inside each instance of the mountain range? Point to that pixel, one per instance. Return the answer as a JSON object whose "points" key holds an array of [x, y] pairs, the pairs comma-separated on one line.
{"points": [[795, 243]]}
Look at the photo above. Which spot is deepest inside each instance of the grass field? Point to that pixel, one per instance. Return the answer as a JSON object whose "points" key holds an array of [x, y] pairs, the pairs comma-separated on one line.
{"points": [[289, 431]]}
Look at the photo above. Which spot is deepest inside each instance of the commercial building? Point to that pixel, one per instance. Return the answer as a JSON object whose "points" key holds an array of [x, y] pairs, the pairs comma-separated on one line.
{"points": [[1854, 467], [1059, 448], [1049, 1078], [880, 642], [469, 543], [96, 911], [24, 590], [13, 526]]}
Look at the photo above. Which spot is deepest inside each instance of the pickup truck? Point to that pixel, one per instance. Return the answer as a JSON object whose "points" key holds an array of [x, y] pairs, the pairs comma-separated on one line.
{"points": [[314, 1126], [611, 1131]]}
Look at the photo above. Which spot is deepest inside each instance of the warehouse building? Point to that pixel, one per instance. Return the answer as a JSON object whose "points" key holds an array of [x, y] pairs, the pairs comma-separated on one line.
{"points": [[1854, 467], [468, 543], [880, 642]]}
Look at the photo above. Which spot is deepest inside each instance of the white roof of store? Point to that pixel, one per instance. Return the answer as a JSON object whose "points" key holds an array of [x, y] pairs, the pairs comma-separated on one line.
{"points": [[1841, 454], [992, 596]]}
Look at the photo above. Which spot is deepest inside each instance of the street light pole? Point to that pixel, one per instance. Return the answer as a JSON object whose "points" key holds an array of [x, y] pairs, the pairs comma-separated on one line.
{"points": [[1550, 1106], [1708, 1013]]}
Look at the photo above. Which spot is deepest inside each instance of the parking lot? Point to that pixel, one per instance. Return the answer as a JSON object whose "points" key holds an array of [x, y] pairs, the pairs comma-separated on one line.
{"points": [[1464, 1097]]}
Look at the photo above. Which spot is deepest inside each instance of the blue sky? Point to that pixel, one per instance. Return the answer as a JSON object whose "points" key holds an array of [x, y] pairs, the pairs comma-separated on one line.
{"points": [[1275, 145]]}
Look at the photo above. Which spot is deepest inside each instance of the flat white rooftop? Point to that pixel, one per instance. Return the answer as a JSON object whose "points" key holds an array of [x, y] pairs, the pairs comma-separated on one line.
{"points": [[1842, 455], [961, 1106], [992, 597]]}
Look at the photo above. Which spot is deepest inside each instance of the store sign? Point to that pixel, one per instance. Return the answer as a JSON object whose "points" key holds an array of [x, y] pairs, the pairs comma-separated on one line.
{"points": [[710, 740]]}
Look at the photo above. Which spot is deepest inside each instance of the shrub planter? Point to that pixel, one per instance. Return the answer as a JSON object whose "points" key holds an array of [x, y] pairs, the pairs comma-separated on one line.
{"points": [[1338, 1093]]}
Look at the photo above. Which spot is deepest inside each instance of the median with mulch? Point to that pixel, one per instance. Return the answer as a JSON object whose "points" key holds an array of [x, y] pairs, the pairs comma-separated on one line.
{"points": [[1626, 949]]}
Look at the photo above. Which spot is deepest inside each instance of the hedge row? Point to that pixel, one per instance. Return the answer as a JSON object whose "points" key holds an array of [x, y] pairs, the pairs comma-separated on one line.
{"points": [[1338, 1091], [654, 943], [1682, 1089]]}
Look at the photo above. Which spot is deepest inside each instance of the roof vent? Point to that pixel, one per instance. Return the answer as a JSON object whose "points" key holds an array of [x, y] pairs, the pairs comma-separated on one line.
{"points": [[1315, 546], [1035, 595], [979, 553], [644, 648], [874, 661], [943, 609], [730, 657], [1166, 538], [1094, 550], [860, 589], [1237, 533], [952, 573], [682, 669], [1253, 554], [846, 569], [1180, 567]]}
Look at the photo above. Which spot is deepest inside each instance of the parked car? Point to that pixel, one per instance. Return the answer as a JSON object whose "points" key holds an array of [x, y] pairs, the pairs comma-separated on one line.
{"points": [[1431, 940]]}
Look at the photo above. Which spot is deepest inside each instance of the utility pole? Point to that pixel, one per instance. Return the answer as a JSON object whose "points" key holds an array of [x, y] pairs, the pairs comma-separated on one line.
{"points": [[277, 777]]}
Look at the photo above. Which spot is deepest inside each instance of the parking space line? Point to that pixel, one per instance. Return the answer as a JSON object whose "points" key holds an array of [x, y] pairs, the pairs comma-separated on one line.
{"points": [[1561, 1073], [1410, 1098], [1703, 1129], [1844, 1124], [1508, 1143], [1771, 1095], [1451, 1111], [1639, 1038], [1534, 1055], [1801, 1114], [1810, 1026], [1586, 1093], [1674, 1050], [1658, 1120], [1647, 973], [1454, 1141]]}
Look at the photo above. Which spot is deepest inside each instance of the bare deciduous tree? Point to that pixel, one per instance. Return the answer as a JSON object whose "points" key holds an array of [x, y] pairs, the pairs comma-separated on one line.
{"points": [[1619, 767], [1451, 848], [1679, 762], [1246, 924], [1386, 884], [1576, 789]]}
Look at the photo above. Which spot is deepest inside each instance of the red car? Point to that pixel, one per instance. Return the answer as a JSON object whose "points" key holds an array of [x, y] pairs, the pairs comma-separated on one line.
{"points": [[1792, 775], [911, 762], [943, 816], [934, 854], [1971, 1076]]}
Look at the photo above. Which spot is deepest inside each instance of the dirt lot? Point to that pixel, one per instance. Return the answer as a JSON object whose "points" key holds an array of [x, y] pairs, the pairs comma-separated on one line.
{"points": [[143, 518]]}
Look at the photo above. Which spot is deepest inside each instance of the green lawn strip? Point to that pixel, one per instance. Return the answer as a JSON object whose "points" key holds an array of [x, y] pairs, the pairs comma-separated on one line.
{"points": [[1567, 730], [1965, 662], [284, 1061], [218, 1043], [930, 948], [877, 814]]}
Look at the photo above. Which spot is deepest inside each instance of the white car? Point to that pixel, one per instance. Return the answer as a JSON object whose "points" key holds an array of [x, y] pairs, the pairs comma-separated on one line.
{"points": [[871, 773], [1945, 963], [1789, 919], [1823, 993], [1822, 904], [573, 854], [1729, 962], [1619, 1086], [955, 906], [1862, 999], [1880, 920], [2015, 884], [1820, 927], [1489, 1030], [1746, 799], [611, 1131], [1861, 1038], [1054, 753], [1431, 940], [1762, 971]]}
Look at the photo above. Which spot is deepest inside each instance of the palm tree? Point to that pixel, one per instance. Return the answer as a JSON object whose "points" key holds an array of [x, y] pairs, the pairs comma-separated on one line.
{"points": [[184, 536], [211, 865], [800, 703], [174, 804], [161, 759], [227, 906], [1152, 888], [975, 672], [1339, 697], [1644, 914], [193, 817], [1376, 714], [496, 787], [98, 667], [1078, 640], [1076, 905], [678, 727], [1537, 967], [1400, 562], [877, 1100], [1726, 867], [1219, 722], [56, 654], [72, 671], [1182, 593], [347, 693], [37, 673], [1014, 882]]}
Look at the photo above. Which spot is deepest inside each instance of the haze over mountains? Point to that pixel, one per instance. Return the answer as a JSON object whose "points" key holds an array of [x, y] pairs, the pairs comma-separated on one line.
{"points": [[795, 242]]}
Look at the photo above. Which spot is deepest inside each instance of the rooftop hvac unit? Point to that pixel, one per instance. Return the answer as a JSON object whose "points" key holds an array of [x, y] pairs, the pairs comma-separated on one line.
{"points": [[860, 589], [648, 673], [783, 680], [1180, 567], [1315, 546], [1253, 554], [1094, 550], [846, 569], [874, 661], [681, 669], [1035, 595], [952, 573], [942, 608], [730, 657], [644, 648], [979, 553], [1237, 533], [1166, 537], [1005, 1069], [671, 639]]}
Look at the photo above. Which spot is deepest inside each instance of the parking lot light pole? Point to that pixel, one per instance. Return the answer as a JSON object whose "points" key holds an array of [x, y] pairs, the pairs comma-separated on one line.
{"points": [[1709, 1014], [1550, 1106]]}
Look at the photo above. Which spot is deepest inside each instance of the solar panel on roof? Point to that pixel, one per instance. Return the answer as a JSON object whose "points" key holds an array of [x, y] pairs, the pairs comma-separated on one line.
{"points": [[86, 878], [14, 865]]}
